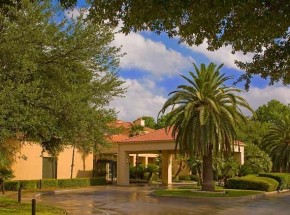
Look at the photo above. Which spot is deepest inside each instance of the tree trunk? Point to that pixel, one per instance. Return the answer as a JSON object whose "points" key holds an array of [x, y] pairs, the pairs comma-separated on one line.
{"points": [[72, 161], [84, 156], [207, 173], [181, 166]]}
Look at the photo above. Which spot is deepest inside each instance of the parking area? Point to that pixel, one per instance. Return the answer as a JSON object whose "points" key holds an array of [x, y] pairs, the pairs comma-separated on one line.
{"points": [[139, 200]]}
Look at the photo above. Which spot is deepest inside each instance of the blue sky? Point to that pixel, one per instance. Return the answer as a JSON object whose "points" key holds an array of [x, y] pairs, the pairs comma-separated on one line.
{"points": [[153, 64]]}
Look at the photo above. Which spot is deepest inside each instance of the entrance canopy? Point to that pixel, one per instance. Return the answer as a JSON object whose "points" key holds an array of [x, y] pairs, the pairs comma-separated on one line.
{"points": [[159, 142]]}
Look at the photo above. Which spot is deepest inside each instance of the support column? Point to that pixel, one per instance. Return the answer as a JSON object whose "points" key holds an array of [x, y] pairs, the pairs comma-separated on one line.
{"points": [[107, 171], [146, 160], [122, 167], [132, 159], [166, 168]]}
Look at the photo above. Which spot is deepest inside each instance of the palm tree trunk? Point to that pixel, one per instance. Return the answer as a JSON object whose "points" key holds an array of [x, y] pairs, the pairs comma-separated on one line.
{"points": [[207, 173]]}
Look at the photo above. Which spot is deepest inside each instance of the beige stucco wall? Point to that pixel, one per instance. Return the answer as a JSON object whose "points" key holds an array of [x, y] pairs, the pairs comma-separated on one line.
{"points": [[79, 171], [31, 167], [239, 153]]}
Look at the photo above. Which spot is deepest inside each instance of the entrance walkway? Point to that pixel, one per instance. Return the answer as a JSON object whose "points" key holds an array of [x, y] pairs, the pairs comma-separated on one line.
{"points": [[138, 200]]}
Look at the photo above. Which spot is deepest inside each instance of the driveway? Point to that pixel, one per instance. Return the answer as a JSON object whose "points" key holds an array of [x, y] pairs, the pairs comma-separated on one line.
{"points": [[138, 200]]}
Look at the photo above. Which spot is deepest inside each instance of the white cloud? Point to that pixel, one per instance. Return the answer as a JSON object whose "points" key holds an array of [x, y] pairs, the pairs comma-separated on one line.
{"points": [[145, 98], [222, 55], [257, 97], [142, 98], [153, 57]]}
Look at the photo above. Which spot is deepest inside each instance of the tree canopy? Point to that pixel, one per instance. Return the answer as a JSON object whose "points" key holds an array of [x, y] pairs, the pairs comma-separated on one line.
{"points": [[149, 121], [259, 27], [272, 111], [252, 131], [57, 76]]}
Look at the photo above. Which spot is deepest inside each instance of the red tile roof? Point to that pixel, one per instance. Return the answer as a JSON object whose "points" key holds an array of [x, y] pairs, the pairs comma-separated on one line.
{"points": [[125, 131], [156, 135], [239, 143], [118, 137], [126, 125]]}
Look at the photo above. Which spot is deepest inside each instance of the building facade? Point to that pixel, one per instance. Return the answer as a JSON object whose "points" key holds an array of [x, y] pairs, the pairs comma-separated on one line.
{"points": [[33, 164]]}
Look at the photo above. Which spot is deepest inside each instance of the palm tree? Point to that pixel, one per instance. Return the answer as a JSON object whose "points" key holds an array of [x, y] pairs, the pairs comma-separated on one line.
{"points": [[204, 115], [276, 143]]}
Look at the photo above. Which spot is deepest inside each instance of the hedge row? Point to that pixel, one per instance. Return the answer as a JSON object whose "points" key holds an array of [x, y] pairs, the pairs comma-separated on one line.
{"points": [[53, 183], [282, 178], [252, 182]]}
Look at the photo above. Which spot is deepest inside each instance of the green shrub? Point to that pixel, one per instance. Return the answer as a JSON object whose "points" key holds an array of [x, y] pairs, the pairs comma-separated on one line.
{"points": [[12, 185], [151, 169], [256, 161], [132, 180], [75, 182], [282, 178], [137, 172], [252, 182], [98, 181], [246, 170], [46, 183], [54, 183], [184, 177], [28, 184]]}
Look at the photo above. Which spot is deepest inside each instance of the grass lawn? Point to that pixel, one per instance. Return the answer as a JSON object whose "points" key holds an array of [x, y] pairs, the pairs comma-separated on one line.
{"points": [[11, 206], [195, 193]]}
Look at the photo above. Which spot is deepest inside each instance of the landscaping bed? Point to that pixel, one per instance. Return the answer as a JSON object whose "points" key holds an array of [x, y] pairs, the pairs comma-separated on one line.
{"points": [[253, 182], [282, 178]]}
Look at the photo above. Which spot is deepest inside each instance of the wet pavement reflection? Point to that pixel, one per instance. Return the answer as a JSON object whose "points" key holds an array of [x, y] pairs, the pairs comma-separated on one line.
{"points": [[139, 200]]}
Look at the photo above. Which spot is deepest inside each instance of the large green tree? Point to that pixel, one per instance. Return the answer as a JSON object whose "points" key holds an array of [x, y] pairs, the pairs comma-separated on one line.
{"points": [[149, 121], [259, 27], [252, 131], [272, 111], [57, 77], [276, 143], [204, 115]]}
